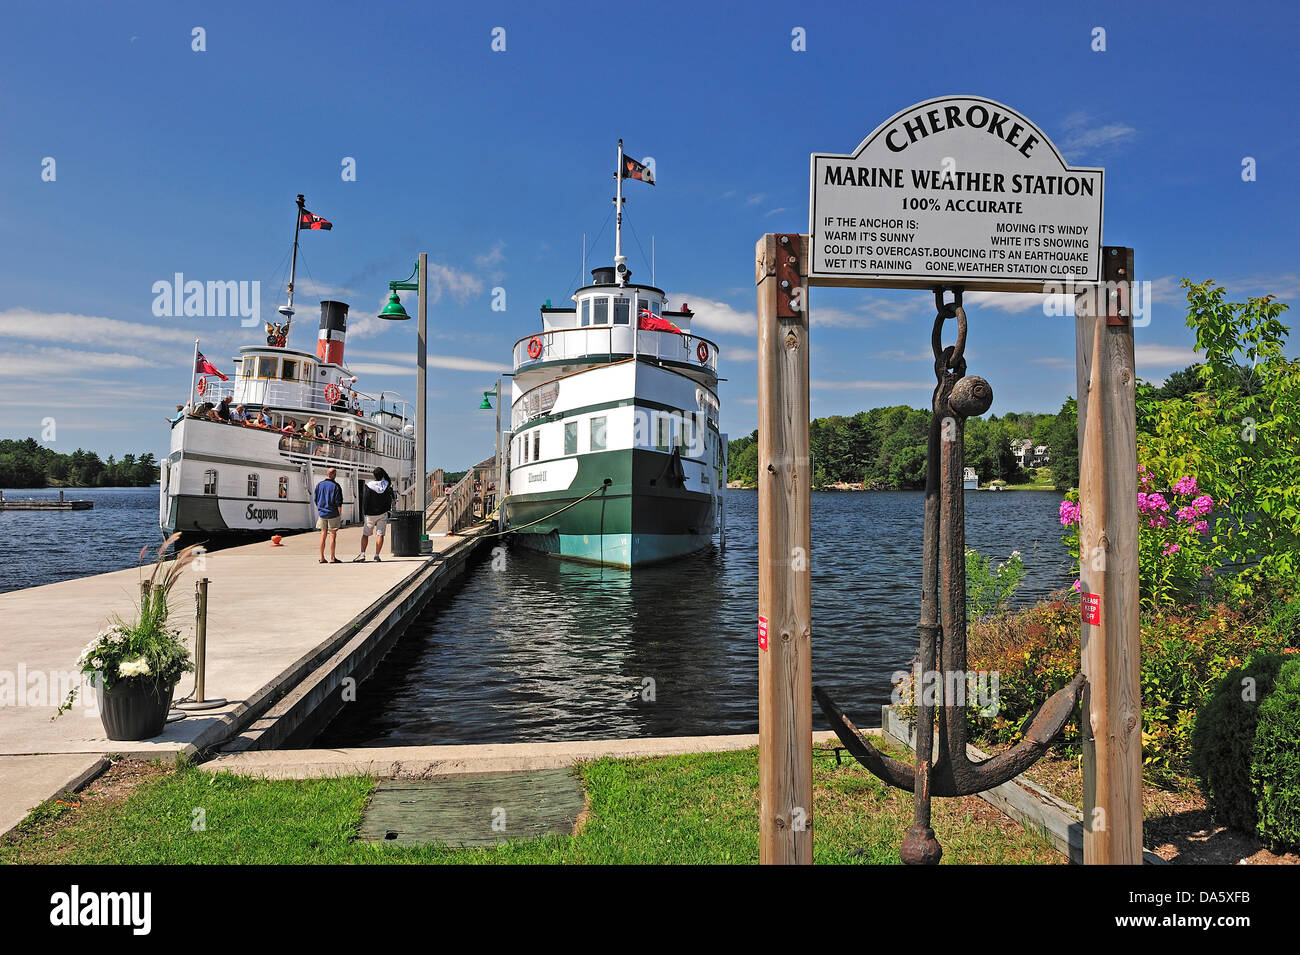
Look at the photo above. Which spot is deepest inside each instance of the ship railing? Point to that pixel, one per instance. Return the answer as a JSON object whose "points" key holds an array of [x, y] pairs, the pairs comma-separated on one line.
{"points": [[614, 341], [325, 448], [387, 409]]}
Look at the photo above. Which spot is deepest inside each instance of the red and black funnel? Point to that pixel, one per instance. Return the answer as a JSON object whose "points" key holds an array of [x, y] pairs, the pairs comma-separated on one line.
{"points": [[333, 329]]}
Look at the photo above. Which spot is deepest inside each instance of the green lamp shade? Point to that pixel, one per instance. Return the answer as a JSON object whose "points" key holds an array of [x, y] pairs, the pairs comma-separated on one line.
{"points": [[485, 405], [393, 311]]}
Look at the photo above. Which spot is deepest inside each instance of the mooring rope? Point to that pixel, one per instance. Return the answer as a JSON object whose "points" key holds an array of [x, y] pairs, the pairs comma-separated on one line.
{"points": [[552, 514]]}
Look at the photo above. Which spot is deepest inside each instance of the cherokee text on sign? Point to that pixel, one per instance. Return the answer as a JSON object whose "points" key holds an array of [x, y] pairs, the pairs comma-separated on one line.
{"points": [[955, 191]]}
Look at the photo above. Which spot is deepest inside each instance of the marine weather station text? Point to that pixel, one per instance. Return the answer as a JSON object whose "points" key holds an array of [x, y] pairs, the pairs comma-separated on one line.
{"points": [[1009, 240]]}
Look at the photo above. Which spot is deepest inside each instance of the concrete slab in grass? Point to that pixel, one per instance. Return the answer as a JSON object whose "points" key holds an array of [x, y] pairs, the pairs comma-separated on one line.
{"points": [[480, 809]]}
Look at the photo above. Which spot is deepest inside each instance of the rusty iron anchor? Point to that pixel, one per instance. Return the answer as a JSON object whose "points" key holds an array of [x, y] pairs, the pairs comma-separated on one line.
{"points": [[942, 650]]}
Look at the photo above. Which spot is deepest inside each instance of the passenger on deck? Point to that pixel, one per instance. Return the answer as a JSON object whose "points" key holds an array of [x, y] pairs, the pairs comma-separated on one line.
{"points": [[290, 426], [266, 419], [206, 410], [237, 415], [179, 415], [223, 410], [336, 436]]}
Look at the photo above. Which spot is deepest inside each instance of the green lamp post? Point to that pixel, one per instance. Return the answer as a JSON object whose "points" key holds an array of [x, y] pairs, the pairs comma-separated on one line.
{"points": [[393, 312], [486, 405]]}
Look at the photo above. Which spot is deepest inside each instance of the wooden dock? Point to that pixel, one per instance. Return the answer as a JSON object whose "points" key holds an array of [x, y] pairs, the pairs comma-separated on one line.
{"points": [[43, 504], [278, 621]]}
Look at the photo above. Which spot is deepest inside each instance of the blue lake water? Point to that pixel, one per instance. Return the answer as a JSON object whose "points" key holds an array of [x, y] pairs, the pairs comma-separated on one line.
{"points": [[546, 649]]}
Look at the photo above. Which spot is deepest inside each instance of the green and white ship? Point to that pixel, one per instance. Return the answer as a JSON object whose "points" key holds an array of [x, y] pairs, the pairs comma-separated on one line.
{"points": [[614, 455]]}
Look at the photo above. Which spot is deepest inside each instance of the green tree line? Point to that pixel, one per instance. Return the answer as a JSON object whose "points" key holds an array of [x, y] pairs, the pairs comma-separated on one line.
{"points": [[884, 448], [28, 463]]}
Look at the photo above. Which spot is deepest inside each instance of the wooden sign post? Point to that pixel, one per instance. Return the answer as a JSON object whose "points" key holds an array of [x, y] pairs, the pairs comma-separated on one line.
{"points": [[784, 589], [956, 193], [1108, 566]]}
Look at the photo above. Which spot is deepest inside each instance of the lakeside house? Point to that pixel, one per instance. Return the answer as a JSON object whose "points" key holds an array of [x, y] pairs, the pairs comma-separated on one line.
{"points": [[1029, 455]]}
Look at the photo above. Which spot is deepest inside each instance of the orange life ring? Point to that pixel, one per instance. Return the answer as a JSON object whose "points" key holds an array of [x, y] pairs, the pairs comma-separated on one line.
{"points": [[202, 386], [332, 393], [534, 347], [702, 352]]}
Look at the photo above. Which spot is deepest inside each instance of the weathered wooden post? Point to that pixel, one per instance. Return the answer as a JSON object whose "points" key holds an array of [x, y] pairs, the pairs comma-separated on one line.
{"points": [[1108, 566], [784, 592]]}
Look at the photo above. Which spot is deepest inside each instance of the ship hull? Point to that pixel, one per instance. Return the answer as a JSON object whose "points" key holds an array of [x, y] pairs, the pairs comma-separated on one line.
{"points": [[627, 523]]}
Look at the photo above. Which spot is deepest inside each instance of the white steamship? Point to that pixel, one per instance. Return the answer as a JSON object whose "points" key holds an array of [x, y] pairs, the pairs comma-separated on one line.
{"points": [[221, 477]]}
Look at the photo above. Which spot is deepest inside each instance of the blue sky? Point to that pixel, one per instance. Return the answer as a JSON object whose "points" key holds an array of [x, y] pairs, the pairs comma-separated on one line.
{"points": [[170, 160]]}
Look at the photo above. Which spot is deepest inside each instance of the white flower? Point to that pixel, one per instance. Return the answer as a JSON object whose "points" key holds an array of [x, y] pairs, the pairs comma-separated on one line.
{"points": [[133, 668], [1015, 553]]}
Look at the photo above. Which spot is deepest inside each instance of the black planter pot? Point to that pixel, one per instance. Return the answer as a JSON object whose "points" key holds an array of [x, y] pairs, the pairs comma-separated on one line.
{"points": [[135, 708]]}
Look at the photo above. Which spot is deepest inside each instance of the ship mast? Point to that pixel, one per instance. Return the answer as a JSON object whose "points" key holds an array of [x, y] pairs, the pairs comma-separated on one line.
{"points": [[287, 309], [620, 260]]}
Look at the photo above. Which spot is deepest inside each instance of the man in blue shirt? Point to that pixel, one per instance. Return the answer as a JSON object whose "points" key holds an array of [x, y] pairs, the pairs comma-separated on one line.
{"points": [[328, 497]]}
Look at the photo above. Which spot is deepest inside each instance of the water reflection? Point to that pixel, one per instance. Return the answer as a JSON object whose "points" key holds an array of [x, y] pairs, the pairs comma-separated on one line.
{"points": [[546, 649]]}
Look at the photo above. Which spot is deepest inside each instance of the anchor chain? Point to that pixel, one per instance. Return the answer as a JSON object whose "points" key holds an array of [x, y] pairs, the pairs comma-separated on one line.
{"points": [[941, 652]]}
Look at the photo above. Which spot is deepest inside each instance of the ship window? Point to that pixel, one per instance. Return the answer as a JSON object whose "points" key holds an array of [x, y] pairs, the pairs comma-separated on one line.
{"points": [[584, 311], [252, 485], [598, 433], [524, 449], [289, 370], [537, 444], [654, 308], [571, 437], [283, 490], [266, 367], [642, 305], [247, 367], [665, 433], [620, 311], [600, 311], [687, 428], [209, 481]]}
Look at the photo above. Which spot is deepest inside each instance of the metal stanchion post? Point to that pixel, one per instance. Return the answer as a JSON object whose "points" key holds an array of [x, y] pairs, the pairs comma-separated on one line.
{"points": [[200, 702]]}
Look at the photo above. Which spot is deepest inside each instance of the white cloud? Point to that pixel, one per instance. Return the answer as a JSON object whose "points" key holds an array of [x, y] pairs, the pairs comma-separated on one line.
{"points": [[1083, 134], [718, 317], [443, 280], [73, 329], [403, 363], [772, 212], [46, 363], [755, 199], [494, 257], [739, 354], [1151, 355]]}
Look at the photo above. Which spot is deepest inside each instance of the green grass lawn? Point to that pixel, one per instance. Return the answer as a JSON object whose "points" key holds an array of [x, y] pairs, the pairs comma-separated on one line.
{"points": [[679, 809]]}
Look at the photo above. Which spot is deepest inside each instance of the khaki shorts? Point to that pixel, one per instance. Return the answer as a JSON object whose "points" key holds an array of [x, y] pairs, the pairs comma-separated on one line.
{"points": [[328, 523], [375, 524]]}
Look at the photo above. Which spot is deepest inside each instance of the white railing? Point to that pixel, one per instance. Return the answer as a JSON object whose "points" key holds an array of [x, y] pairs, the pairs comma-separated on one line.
{"points": [[387, 410], [614, 342]]}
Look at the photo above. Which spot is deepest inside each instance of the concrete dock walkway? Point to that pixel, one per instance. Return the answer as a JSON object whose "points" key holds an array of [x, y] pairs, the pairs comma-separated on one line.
{"points": [[424, 762], [274, 614]]}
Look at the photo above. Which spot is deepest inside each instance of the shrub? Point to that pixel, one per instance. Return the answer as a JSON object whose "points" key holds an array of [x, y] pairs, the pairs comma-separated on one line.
{"points": [[1224, 737], [1275, 760], [1184, 655], [989, 588]]}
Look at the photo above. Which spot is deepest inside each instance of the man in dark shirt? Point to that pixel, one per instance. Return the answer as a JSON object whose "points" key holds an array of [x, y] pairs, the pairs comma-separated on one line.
{"points": [[328, 498]]}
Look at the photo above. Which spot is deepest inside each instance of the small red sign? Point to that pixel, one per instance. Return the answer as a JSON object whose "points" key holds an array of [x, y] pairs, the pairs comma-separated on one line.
{"points": [[762, 633], [1092, 609]]}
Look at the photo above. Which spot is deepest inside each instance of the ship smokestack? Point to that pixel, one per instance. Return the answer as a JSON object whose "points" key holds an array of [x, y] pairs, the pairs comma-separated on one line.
{"points": [[333, 329]]}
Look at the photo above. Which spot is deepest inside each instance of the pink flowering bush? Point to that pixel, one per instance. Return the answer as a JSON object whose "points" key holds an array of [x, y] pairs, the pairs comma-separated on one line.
{"points": [[1174, 562]]}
